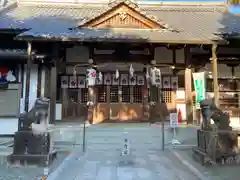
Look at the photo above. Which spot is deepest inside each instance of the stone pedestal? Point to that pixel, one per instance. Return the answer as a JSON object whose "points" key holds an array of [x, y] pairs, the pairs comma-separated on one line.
{"points": [[30, 148], [215, 147]]}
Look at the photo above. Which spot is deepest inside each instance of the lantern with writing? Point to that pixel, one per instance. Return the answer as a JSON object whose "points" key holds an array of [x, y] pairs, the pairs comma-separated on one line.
{"points": [[91, 76]]}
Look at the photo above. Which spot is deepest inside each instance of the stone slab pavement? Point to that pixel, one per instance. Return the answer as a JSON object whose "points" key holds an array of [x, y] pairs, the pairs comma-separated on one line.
{"points": [[206, 172], [106, 165], [102, 159]]}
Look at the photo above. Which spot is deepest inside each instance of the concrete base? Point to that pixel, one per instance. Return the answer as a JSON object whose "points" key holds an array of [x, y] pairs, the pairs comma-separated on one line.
{"points": [[201, 157], [32, 159], [30, 148]]}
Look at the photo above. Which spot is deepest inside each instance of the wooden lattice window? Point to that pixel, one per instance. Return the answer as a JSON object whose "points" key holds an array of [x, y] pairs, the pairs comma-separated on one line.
{"points": [[101, 94], [137, 94], [84, 95], [126, 94], [114, 94], [166, 96]]}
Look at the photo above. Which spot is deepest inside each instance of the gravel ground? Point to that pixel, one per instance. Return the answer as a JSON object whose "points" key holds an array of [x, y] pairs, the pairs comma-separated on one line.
{"points": [[9, 172]]}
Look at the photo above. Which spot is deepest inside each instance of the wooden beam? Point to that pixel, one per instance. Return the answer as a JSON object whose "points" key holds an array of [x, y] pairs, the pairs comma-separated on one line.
{"points": [[215, 74], [128, 58], [28, 74]]}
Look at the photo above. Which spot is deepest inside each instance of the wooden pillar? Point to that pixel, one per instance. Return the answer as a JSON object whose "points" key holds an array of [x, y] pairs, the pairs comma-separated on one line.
{"points": [[28, 74], [146, 107], [188, 86], [53, 82], [39, 80], [174, 73], [215, 74], [91, 92], [53, 93], [22, 79]]}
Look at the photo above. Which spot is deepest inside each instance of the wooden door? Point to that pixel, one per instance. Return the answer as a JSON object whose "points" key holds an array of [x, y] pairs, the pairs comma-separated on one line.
{"points": [[74, 104]]}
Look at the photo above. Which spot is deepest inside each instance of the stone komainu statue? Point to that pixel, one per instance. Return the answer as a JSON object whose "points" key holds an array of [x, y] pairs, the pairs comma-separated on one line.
{"points": [[37, 115], [226, 138], [32, 142], [210, 111]]}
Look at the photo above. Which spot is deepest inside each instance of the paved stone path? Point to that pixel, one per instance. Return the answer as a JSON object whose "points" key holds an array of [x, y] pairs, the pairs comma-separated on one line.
{"points": [[106, 165], [102, 160]]}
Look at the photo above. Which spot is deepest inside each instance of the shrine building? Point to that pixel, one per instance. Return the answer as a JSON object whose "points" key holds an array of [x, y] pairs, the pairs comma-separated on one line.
{"points": [[143, 54]]}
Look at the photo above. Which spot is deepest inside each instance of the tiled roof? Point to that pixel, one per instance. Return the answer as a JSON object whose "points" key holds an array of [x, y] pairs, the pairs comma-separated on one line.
{"points": [[197, 23], [114, 34]]}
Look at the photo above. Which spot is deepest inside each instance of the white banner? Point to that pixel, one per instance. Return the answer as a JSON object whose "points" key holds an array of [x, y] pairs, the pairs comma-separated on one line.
{"points": [[124, 79], [91, 77], [174, 82], [140, 80], [115, 81], [73, 82], [156, 77], [81, 82], [133, 80], [107, 79], [64, 82], [166, 82]]}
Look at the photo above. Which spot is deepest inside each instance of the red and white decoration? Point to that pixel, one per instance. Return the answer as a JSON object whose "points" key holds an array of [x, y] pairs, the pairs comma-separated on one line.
{"points": [[124, 79], [91, 76], [133, 80], [64, 82], [107, 79], [73, 82], [140, 80], [166, 82], [174, 82], [115, 80], [81, 82]]}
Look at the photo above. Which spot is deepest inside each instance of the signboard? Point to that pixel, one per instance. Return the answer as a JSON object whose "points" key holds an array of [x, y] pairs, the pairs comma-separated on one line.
{"points": [[140, 80], [124, 79], [174, 82], [199, 79], [73, 82], [107, 79], [64, 82], [81, 82], [166, 82], [173, 120]]}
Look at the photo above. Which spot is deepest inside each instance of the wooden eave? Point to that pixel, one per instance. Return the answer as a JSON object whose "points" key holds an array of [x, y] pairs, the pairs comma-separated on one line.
{"points": [[119, 9], [77, 40]]}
